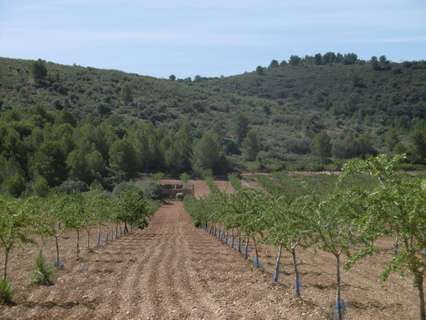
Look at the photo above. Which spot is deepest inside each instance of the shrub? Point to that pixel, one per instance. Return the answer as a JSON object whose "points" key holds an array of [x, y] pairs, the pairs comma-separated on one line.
{"points": [[5, 291], [15, 185], [40, 187], [184, 177], [71, 186], [43, 272]]}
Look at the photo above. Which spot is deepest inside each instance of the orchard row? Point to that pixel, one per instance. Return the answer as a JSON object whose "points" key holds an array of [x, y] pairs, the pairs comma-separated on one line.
{"points": [[110, 215], [346, 222]]}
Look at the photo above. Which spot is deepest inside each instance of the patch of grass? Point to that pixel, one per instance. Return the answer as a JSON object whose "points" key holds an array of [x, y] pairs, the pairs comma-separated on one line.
{"points": [[43, 272], [6, 292]]}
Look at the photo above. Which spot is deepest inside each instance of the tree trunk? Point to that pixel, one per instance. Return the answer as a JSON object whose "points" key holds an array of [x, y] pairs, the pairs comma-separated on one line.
{"points": [[396, 245], [257, 263], [6, 261], [232, 240], [419, 285], [339, 311], [88, 239], [239, 241], [276, 274], [126, 230], [246, 249], [78, 244], [57, 251], [296, 272], [98, 237]]}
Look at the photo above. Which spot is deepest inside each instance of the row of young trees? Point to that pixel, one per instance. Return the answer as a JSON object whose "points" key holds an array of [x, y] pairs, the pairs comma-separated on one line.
{"points": [[27, 219], [345, 222]]}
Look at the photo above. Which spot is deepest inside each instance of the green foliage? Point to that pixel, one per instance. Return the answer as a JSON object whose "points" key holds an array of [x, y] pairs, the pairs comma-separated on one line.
{"points": [[337, 92], [396, 207], [15, 218], [126, 94], [38, 70], [321, 145], [241, 127], [350, 146], [123, 159], [343, 216], [209, 155], [251, 146], [43, 272], [274, 64], [418, 138], [49, 162], [133, 207], [86, 110], [14, 185], [392, 140], [6, 291], [40, 187], [184, 177]]}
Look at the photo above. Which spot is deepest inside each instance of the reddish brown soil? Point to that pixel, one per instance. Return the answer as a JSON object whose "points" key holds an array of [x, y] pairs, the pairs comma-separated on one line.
{"points": [[171, 270]]}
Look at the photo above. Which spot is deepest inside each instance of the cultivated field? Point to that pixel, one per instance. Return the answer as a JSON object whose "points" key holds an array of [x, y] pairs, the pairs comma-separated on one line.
{"points": [[172, 270]]}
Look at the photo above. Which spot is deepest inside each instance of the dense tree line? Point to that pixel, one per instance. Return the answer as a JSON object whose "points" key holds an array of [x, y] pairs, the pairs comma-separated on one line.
{"points": [[40, 150]]}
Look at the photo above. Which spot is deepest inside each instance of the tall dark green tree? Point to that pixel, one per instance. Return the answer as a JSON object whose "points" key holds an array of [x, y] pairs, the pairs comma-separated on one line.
{"points": [[260, 70], [208, 154], [123, 159], [251, 146], [321, 145], [329, 57], [418, 139], [318, 59], [49, 162], [38, 70], [241, 127], [295, 60], [391, 140], [274, 64], [126, 94]]}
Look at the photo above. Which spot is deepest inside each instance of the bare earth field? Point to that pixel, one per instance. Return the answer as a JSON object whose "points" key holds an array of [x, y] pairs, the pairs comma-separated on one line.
{"points": [[171, 270]]}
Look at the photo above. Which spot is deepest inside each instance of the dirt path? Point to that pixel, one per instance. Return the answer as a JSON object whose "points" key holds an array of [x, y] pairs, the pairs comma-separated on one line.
{"points": [[170, 270]]}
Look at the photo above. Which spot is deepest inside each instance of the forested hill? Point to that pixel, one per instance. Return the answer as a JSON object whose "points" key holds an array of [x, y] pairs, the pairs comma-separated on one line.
{"points": [[368, 93], [87, 91], [310, 113]]}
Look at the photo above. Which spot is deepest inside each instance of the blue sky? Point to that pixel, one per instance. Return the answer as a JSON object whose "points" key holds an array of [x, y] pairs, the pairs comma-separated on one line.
{"points": [[210, 38]]}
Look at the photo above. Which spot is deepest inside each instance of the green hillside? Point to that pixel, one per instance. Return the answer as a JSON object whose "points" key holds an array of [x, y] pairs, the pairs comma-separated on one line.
{"points": [[89, 91], [358, 93], [306, 114]]}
